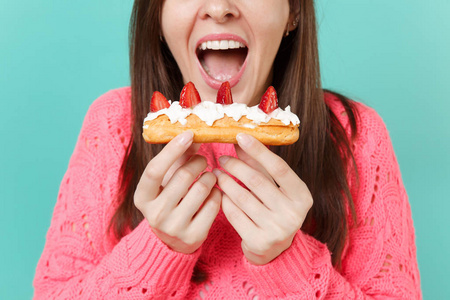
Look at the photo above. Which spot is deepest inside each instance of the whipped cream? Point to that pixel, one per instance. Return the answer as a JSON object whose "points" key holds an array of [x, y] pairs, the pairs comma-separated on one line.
{"points": [[209, 112]]}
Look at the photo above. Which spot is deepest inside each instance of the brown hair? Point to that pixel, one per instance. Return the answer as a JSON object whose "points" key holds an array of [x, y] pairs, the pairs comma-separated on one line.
{"points": [[321, 156]]}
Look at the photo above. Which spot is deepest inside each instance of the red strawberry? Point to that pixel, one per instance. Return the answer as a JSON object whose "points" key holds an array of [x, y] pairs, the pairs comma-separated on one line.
{"points": [[189, 96], [224, 94], [158, 102], [269, 101]]}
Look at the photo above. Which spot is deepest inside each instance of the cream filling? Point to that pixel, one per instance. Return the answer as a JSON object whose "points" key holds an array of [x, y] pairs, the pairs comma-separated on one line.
{"points": [[209, 112]]}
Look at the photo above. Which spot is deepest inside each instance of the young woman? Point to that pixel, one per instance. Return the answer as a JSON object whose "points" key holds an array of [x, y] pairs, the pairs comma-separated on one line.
{"points": [[324, 218]]}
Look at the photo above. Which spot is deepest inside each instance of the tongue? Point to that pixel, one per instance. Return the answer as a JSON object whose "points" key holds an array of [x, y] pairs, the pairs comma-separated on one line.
{"points": [[223, 64]]}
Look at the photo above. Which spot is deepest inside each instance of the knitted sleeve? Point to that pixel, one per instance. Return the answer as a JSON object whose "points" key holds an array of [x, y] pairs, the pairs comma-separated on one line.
{"points": [[379, 260], [80, 261]]}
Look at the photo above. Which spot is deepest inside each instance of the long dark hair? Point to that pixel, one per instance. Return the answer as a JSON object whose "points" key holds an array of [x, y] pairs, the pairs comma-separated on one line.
{"points": [[321, 157]]}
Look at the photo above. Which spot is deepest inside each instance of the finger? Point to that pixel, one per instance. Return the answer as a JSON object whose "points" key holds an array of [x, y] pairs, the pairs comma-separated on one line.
{"points": [[242, 155], [181, 181], [238, 219], [242, 198], [264, 188], [204, 218], [195, 197], [192, 150], [150, 182], [280, 171]]}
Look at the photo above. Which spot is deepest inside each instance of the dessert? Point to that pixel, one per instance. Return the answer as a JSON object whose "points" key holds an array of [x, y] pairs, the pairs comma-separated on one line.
{"points": [[219, 122]]}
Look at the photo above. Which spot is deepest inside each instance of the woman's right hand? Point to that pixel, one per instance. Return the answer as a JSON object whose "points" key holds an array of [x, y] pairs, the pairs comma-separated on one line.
{"points": [[179, 209]]}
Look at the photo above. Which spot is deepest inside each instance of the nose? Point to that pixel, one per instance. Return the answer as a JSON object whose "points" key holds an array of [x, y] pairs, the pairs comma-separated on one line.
{"points": [[219, 10]]}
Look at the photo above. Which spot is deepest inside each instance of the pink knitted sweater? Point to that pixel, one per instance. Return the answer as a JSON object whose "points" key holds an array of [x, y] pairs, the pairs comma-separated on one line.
{"points": [[80, 261]]}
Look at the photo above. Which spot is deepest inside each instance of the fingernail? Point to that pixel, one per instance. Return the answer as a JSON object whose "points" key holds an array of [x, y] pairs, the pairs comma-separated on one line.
{"points": [[223, 159], [244, 140], [185, 137], [217, 172]]}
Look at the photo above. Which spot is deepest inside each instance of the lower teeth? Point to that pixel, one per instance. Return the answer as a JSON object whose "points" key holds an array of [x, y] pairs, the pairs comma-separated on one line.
{"points": [[205, 67], [220, 77], [223, 77]]}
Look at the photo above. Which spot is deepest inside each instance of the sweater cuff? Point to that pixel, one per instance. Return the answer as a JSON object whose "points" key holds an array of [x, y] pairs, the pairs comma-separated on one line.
{"points": [[143, 258], [300, 269]]}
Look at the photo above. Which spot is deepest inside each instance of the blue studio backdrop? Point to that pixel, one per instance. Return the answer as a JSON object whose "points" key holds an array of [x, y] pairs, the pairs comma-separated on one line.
{"points": [[56, 57]]}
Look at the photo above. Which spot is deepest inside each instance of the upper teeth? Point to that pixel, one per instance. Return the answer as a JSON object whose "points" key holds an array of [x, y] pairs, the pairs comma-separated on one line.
{"points": [[221, 45]]}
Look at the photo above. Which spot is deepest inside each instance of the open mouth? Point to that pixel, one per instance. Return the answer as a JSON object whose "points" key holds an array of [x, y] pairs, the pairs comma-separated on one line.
{"points": [[222, 60]]}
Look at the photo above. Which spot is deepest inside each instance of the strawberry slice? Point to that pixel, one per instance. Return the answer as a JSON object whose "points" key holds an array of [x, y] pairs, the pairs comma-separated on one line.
{"points": [[158, 102], [189, 96], [269, 101], [224, 94]]}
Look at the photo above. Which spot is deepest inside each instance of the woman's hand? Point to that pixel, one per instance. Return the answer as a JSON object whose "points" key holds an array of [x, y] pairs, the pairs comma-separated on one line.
{"points": [[179, 209], [267, 217]]}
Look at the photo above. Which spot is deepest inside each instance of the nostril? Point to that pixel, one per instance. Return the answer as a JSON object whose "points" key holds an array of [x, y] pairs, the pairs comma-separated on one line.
{"points": [[219, 11], [228, 15]]}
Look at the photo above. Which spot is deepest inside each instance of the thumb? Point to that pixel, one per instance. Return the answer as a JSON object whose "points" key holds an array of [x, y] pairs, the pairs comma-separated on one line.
{"points": [[245, 157], [191, 151]]}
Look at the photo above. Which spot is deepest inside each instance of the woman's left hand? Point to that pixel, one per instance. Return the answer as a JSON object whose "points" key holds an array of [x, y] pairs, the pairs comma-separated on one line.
{"points": [[267, 217]]}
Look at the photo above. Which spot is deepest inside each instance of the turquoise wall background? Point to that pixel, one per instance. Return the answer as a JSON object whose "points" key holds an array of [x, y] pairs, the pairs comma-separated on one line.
{"points": [[56, 57]]}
